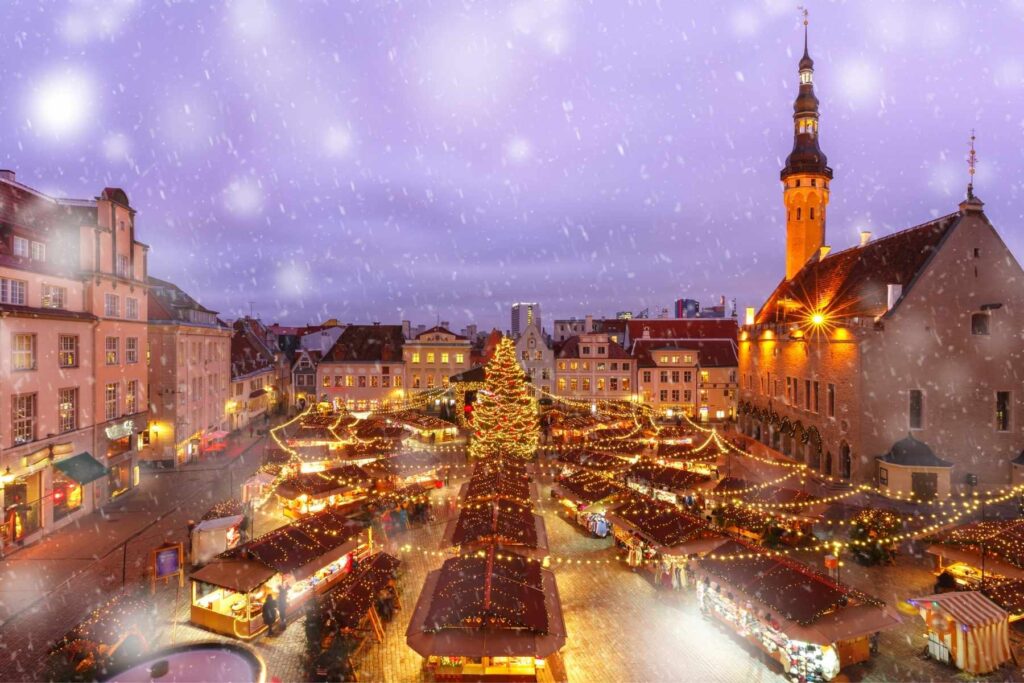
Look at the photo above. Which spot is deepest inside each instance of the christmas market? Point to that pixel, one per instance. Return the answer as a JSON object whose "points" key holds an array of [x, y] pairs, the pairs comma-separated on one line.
{"points": [[592, 460], [496, 617], [305, 558], [426, 428], [672, 484], [965, 629], [813, 626]]}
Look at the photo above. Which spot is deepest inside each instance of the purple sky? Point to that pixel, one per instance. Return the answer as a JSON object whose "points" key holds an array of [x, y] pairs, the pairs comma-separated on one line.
{"points": [[387, 161]]}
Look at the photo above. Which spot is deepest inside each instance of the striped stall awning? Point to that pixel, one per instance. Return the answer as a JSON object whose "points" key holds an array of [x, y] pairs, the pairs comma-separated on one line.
{"points": [[967, 608]]}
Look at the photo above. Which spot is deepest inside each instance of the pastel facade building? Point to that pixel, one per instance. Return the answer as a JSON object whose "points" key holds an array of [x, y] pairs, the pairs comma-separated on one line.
{"points": [[73, 335], [189, 375], [364, 370]]}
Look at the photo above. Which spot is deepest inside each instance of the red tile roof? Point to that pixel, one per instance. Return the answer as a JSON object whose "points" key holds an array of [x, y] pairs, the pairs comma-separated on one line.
{"points": [[853, 282], [684, 328], [367, 343]]}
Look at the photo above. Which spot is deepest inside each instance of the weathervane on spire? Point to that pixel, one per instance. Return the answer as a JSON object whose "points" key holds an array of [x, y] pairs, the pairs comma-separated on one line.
{"points": [[972, 162]]}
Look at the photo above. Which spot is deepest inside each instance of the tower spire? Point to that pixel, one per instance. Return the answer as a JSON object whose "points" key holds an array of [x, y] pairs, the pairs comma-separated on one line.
{"points": [[806, 175], [972, 161]]}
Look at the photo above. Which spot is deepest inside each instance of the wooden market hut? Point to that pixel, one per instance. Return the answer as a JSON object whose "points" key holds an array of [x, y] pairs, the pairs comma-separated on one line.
{"points": [[967, 630], [592, 460], [489, 484], [993, 548], [403, 469], [350, 606], [506, 524], [585, 497], [309, 492], [669, 483], [311, 554], [813, 626], [645, 524], [496, 617]]}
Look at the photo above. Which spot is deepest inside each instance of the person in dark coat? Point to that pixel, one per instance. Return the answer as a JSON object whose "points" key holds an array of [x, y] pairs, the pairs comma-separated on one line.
{"points": [[270, 613]]}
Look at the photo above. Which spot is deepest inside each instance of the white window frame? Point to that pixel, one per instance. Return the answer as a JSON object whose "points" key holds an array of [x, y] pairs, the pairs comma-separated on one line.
{"points": [[111, 401], [68, 422], [14, 292], [112, 350], [22, 247], [23, 352], [111, 305], [53, 296], [131, 349]]}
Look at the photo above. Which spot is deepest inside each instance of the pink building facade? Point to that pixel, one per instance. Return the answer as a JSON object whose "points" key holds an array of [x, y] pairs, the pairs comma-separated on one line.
{"points": [[73, 406]]}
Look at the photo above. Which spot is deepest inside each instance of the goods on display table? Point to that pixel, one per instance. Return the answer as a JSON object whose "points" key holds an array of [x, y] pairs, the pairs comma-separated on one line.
{"points": [[966, 629], [489, 617], [810, 624], [307, 557], [586, 497], [310, 492]]}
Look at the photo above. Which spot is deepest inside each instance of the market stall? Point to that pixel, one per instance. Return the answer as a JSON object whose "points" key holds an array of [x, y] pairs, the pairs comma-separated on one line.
{"points": [[309, 557], [427, 428], [258, 487], [672, 484], [349, 606], [813, 626], [405, 469], [211, 537], [592, 460], [980, 551], [967, 630], [586, 498], [505, 524], [489, 484], [488, 618], [764, 513], [310, 492], [660, 538]]}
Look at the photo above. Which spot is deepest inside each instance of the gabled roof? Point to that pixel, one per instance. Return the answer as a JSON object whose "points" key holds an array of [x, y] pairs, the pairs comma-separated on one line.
{"points": [[684, 328], [711, 353], [247, 357], [570, 348], [367, 343], [853, 282], [437, 329]]}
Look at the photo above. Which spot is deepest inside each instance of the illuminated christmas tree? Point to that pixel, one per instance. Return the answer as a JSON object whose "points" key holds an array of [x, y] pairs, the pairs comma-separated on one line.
{"points": [[505, 415]]}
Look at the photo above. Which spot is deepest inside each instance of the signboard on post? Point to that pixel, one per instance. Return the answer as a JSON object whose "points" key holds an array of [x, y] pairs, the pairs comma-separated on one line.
{"points": [[165, 562]]}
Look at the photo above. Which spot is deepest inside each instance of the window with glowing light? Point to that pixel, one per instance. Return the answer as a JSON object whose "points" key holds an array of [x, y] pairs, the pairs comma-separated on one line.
{"points": [[916, 409]]}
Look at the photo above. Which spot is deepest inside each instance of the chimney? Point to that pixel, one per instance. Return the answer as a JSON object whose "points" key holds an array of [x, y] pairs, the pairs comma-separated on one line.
{"points": [[893, 293], [865, 237], [6, 174], [407, 329], [647, 332], [721, 302], [588, 324]]}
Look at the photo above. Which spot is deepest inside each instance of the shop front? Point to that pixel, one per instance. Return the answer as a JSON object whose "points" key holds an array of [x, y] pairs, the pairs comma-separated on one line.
{"points": [[73, 489], [306, 558], [120, 442], [813, 626]]}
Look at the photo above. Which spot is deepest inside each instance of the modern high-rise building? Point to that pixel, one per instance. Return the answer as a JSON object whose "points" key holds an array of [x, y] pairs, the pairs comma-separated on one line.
{"points": [[522, 315]]}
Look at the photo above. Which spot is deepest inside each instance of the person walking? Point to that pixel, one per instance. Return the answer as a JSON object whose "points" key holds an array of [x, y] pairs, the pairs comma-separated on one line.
{"points": [[282, 605], [270, 613]]}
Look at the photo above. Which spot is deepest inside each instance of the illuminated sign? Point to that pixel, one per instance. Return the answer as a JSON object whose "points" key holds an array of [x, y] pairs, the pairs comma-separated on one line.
{"points": [[119, 431]]}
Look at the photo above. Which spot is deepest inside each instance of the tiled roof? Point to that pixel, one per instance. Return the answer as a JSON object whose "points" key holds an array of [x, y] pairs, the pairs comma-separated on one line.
{"points": [[169, 302], [570, 348], [684, 328], [247, 357], [367, 343], [711, 353], [853, 282]]}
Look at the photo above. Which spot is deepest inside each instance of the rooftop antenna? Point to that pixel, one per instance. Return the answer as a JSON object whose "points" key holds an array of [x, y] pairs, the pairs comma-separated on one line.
{"points": [[250, 308], [972, 163]]}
